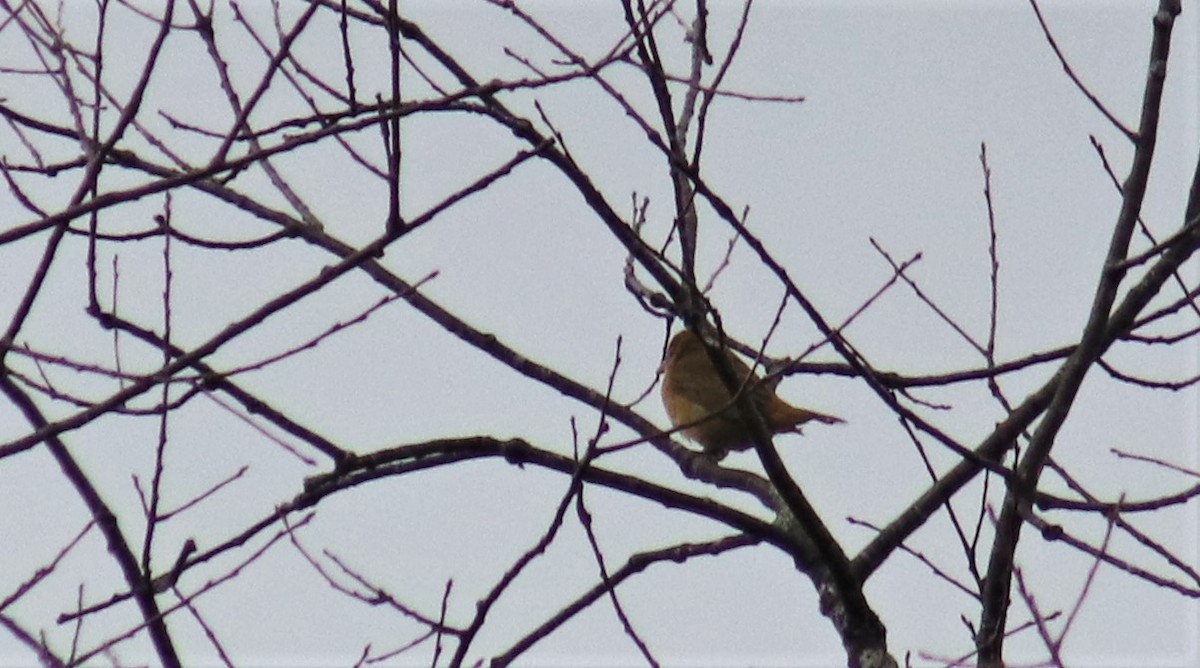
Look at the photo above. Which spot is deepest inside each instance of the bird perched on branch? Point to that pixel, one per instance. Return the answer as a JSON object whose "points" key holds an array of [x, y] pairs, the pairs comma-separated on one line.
{"points": [[693, 394]]}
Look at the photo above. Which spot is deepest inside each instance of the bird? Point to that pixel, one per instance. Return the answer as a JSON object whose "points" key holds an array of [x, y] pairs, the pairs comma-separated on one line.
{"points": [[697, 400]]}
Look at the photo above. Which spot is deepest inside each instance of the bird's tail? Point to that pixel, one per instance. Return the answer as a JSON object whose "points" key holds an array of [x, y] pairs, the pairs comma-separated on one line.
{"points": [[785, 417]]}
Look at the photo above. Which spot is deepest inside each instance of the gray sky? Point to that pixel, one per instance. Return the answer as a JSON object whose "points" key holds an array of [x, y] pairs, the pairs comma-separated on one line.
{"points": [[885, 146]]}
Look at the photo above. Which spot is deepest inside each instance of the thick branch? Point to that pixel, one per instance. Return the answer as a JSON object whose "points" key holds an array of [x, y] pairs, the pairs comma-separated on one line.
{"points": [[1092, 344]]}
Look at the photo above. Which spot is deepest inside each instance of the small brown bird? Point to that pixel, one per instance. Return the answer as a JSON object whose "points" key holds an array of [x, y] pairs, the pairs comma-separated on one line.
{"points": [[692, 389]]}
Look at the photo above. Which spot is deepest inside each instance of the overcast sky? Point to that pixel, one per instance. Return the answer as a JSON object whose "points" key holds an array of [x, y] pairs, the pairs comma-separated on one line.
{"points": [[898, 98]]}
